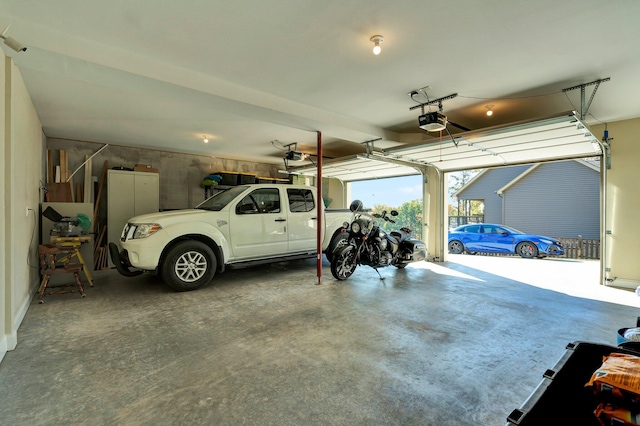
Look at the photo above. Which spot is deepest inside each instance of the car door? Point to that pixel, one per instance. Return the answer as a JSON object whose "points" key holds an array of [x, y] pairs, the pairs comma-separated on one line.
{"points": [[504, 240], [258, 225], [303, 220], [471, 238], [493, 240]]}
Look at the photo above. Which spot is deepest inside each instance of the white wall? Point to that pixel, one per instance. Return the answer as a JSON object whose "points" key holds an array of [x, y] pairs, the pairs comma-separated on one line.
{"points": [[22, 170], [4, 315]]}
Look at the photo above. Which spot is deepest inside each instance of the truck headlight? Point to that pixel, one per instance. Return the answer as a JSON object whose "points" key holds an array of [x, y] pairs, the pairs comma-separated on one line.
{"points": [[145, 230]]}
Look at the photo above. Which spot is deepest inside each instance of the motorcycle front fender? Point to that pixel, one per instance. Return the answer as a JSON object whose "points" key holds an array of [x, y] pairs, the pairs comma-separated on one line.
{"points": [[342, 240], [343, 249]]}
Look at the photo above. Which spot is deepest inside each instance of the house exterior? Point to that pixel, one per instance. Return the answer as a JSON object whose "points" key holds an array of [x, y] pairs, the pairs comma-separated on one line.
{"points": [[559, 199]]}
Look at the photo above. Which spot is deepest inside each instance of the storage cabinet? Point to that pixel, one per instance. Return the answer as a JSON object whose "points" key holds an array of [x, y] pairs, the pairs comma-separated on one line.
{"points": [[129, 194]]}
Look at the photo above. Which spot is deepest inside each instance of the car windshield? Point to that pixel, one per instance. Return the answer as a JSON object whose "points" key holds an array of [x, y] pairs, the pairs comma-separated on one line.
{"points": [[220, 199]]}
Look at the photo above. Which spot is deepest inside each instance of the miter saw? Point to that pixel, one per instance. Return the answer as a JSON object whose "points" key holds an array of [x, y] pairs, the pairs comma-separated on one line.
{"points": [[67, 226]]}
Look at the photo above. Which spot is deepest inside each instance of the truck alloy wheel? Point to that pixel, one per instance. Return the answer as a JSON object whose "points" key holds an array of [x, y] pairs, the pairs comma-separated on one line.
{"points": [[189, 265]]}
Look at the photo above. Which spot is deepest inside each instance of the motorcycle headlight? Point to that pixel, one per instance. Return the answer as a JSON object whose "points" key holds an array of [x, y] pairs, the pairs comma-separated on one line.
{"points": [[355, 227], [144, 230]]}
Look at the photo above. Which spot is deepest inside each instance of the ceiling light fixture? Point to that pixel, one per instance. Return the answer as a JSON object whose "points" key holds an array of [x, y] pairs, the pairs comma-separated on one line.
{"points": [[377, 40], [489, 110], [12, 42], [205, 139]]}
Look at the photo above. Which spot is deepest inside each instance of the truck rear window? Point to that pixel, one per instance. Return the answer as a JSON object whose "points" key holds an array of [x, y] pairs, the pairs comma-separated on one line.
{"points": [[300, 200]]}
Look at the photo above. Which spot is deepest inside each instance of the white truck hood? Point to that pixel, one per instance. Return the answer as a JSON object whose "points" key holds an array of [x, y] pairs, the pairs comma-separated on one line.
{"points": [[175, 216]]}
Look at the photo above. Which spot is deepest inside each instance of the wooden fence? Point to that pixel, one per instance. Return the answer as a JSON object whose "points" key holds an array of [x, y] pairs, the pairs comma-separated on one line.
{"points": [[580, 248]]}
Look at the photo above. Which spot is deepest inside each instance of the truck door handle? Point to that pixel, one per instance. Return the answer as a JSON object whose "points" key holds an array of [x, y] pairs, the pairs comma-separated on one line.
{"points": [[314, 218], [280, 220]]}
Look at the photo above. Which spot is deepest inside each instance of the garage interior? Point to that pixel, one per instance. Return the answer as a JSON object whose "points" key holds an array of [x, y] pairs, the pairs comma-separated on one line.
{"points": [[444, 342]]}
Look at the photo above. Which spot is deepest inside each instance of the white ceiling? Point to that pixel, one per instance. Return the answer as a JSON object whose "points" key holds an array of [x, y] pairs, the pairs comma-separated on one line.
{"points": [[162, 73]]}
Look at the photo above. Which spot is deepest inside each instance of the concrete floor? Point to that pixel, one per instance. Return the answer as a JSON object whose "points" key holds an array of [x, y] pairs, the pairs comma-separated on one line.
{"points": [[438, 344]]}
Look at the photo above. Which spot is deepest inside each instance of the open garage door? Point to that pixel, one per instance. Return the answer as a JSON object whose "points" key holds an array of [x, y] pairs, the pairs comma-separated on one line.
{"points": [[561, 137]]}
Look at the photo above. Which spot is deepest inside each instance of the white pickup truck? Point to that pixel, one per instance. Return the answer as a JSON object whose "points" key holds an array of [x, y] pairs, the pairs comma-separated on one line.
{"points": [[237, 227]]}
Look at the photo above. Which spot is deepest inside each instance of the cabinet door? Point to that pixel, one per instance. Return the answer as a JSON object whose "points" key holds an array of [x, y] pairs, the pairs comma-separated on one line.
{"points": [[147, 194]]}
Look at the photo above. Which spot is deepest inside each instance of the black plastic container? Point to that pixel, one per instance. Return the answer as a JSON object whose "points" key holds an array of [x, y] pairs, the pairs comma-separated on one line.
{"points": [[561, 398], [236, 178]]}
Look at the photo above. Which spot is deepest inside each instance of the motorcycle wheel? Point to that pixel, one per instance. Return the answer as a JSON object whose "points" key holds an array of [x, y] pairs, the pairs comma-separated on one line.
{"points": [[343, 263]]}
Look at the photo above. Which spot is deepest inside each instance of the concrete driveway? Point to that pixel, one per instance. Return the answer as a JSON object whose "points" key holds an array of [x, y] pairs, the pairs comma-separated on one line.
{"points": [[579, 278]]}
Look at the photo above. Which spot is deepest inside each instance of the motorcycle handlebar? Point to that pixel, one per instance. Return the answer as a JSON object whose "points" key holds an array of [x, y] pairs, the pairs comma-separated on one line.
{"points": [[379, 216]]}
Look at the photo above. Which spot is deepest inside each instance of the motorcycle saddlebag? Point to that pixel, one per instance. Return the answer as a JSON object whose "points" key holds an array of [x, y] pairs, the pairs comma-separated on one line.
{"points": [[417, 248]]}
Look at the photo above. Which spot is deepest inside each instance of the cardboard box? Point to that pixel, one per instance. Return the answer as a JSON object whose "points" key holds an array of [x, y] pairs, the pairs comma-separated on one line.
{"points": [[144, 168]]}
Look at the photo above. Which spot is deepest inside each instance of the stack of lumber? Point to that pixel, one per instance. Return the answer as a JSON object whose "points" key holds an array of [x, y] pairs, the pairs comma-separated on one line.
{"points": [[101, 251], [58, 189]]}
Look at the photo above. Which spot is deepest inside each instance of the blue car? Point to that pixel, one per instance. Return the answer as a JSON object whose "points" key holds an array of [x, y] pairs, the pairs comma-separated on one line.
{"points": [[492, 238]]}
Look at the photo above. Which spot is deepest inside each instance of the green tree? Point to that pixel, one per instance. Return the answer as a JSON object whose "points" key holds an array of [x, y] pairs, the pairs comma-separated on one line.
{"points": [[409, 215], [463, 207]]}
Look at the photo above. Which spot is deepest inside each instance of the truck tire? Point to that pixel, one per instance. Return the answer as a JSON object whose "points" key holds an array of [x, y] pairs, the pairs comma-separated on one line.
{"points": [[189, 265]]}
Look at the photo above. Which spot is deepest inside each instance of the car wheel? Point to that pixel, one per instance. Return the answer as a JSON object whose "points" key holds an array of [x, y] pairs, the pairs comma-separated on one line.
{"points": [[527, 250], [343, 263], [456, 247], [189, 265]]}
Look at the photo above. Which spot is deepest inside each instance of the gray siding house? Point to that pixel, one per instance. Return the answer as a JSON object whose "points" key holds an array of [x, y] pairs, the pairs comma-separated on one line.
{"points": [[559, 199]]}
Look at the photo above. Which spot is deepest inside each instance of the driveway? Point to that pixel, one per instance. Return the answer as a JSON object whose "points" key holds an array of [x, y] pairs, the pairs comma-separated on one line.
{"points": [[573, 277]]}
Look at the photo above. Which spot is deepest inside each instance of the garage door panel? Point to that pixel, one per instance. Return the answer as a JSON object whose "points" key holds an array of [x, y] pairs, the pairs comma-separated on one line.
{"points": [[559, 137]]}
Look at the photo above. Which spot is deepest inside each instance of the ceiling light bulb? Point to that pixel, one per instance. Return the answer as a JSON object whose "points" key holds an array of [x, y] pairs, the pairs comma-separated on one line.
{"points": [[376, 40], [205, 139], [489, 110]]}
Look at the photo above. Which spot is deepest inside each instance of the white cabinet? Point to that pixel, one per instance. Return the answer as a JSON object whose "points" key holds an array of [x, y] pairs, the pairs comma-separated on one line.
{"points": [[130, 194]]}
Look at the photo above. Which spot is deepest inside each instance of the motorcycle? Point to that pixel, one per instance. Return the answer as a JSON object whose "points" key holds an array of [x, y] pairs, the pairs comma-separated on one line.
{"points": [[363, 242]]}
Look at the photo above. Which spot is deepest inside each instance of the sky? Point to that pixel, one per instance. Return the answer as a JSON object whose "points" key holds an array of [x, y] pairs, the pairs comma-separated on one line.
{"points": [[391, 192]]}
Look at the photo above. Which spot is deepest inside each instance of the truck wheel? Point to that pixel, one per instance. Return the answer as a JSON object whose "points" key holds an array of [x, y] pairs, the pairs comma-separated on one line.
{"points": [[343, 263], [189, 265]]}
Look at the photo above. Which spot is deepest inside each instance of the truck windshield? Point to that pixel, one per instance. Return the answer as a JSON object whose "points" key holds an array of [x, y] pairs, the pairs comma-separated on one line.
{"points": [[220, 199]]}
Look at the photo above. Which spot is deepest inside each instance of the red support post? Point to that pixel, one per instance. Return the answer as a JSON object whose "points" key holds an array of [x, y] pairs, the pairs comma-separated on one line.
{"points": [[320, 209]]}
